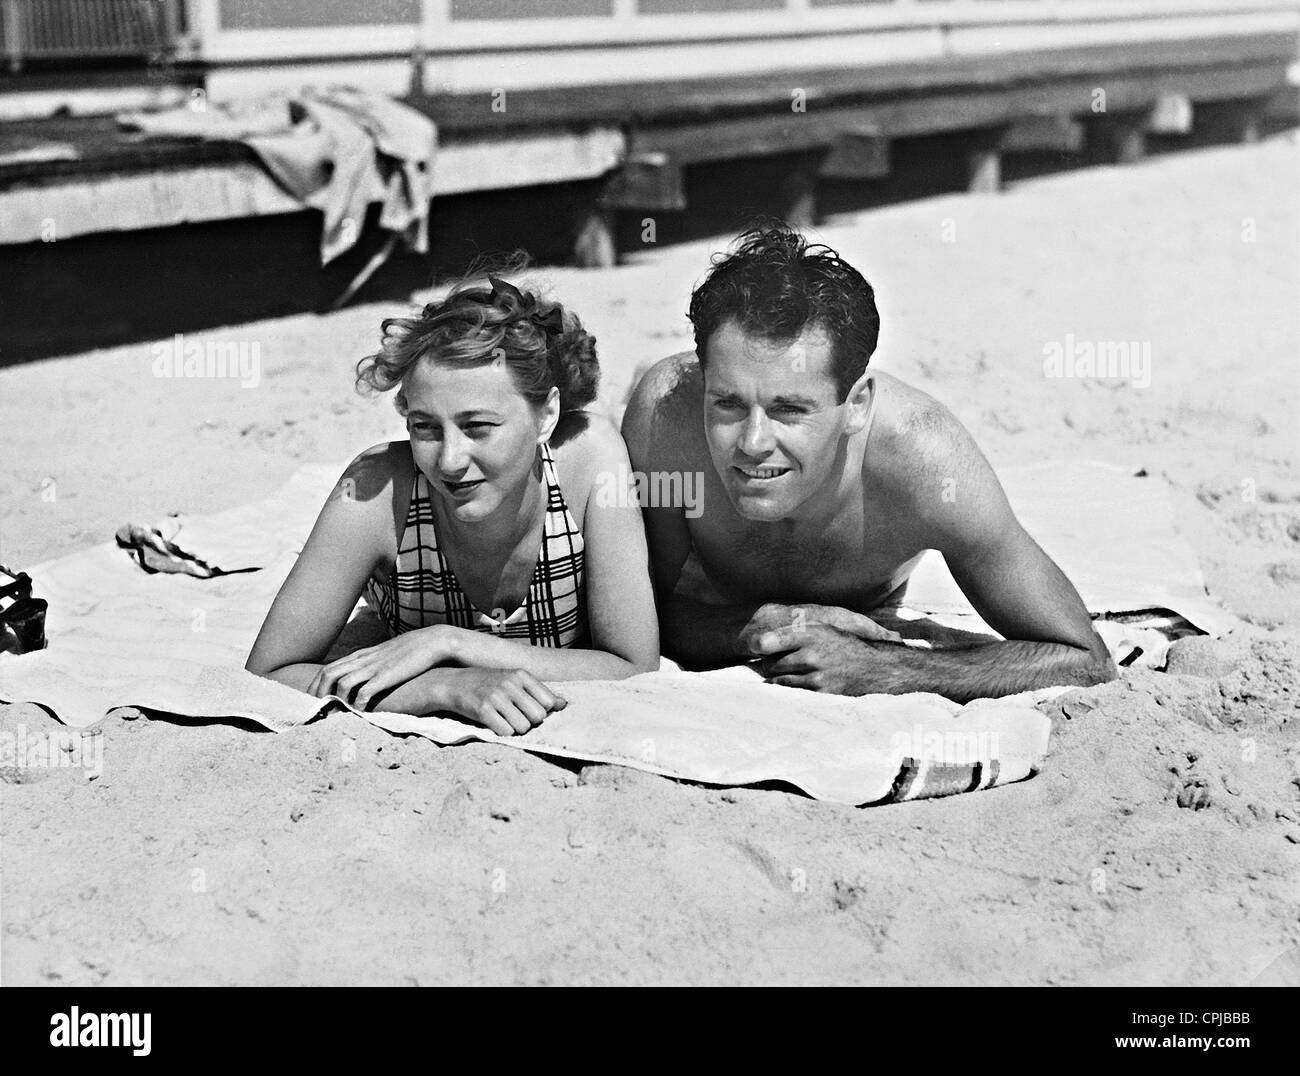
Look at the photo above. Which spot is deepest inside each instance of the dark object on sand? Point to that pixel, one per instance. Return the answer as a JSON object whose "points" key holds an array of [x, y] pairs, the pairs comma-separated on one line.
{"points": [[150, 549], [22, 624]]}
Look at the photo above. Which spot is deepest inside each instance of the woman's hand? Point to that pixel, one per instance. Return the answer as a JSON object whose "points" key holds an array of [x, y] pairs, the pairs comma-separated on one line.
{"points": [[375, 669], [506, 701]]}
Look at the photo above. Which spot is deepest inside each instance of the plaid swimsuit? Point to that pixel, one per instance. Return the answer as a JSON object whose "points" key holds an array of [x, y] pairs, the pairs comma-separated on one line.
{"points": [[421, 589]]}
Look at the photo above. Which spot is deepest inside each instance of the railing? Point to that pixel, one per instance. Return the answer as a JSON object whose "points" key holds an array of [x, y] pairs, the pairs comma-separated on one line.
{"points": [[79, 29]]}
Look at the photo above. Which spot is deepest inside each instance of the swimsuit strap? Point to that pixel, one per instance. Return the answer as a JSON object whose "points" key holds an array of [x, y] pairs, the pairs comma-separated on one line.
{"points": [[556, 593], [559, 520]]}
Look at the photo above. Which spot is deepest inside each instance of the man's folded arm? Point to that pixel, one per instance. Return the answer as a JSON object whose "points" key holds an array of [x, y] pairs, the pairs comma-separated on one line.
{"points": [[1020, 593], [984, 670], [1048, 635]]}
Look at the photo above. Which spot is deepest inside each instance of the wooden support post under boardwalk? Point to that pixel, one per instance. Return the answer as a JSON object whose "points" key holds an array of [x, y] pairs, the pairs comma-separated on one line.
{"points": [[13, 35], [1129, 144], [858, 154], [1283, 106], [593, 240], [800, 195], [647, 180], [983, 171], [1231, 121], [1119, 139], [1171, 115]]}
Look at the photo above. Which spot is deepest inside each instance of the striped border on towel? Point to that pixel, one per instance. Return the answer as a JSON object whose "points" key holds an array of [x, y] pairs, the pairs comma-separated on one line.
{"points": [[920, 779]]}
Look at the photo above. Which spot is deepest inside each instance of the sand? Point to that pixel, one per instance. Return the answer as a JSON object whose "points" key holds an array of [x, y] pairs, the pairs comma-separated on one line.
{"points": [[1160, 845]]}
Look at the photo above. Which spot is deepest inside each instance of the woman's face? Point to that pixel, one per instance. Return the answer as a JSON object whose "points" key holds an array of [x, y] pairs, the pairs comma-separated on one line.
{"points": [[474, 435]]}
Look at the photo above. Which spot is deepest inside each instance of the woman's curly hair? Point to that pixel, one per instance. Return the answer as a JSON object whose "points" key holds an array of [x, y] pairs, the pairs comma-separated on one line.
{"points": [[543, 344], [775, 283]]}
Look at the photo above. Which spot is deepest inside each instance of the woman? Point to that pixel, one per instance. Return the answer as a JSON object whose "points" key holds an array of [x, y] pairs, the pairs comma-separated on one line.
{"points": [[481, 541]]}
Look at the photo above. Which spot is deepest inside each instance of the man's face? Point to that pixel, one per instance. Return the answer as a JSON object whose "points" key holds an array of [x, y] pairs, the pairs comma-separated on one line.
{"points": [[773, 420]]}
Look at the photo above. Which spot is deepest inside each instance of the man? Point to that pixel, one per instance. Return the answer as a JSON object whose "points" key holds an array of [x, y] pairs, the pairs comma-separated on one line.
{"points": [[823, 483]]}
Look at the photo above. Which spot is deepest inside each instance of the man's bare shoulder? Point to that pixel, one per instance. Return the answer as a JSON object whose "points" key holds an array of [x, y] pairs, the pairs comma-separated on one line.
{"points": [[669, 383], [916, 438], [927, 464], [664, 405]]}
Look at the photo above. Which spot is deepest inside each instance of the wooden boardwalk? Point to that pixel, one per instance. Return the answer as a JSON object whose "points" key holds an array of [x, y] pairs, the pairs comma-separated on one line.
{"points": [[588, 114], [659, 128]]}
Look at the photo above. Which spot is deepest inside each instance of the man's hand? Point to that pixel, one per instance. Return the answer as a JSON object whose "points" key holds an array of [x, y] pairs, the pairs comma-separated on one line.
{"points": [[819, 647], [829, 659], [774, 618]]}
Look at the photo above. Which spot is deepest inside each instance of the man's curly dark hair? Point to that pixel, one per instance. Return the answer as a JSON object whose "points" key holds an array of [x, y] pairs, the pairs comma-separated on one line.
{"points": [[774, 283]]}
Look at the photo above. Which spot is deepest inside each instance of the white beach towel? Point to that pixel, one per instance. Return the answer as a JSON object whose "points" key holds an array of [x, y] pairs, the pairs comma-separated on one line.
{"points": [[176, 643], [1111, 532]]}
